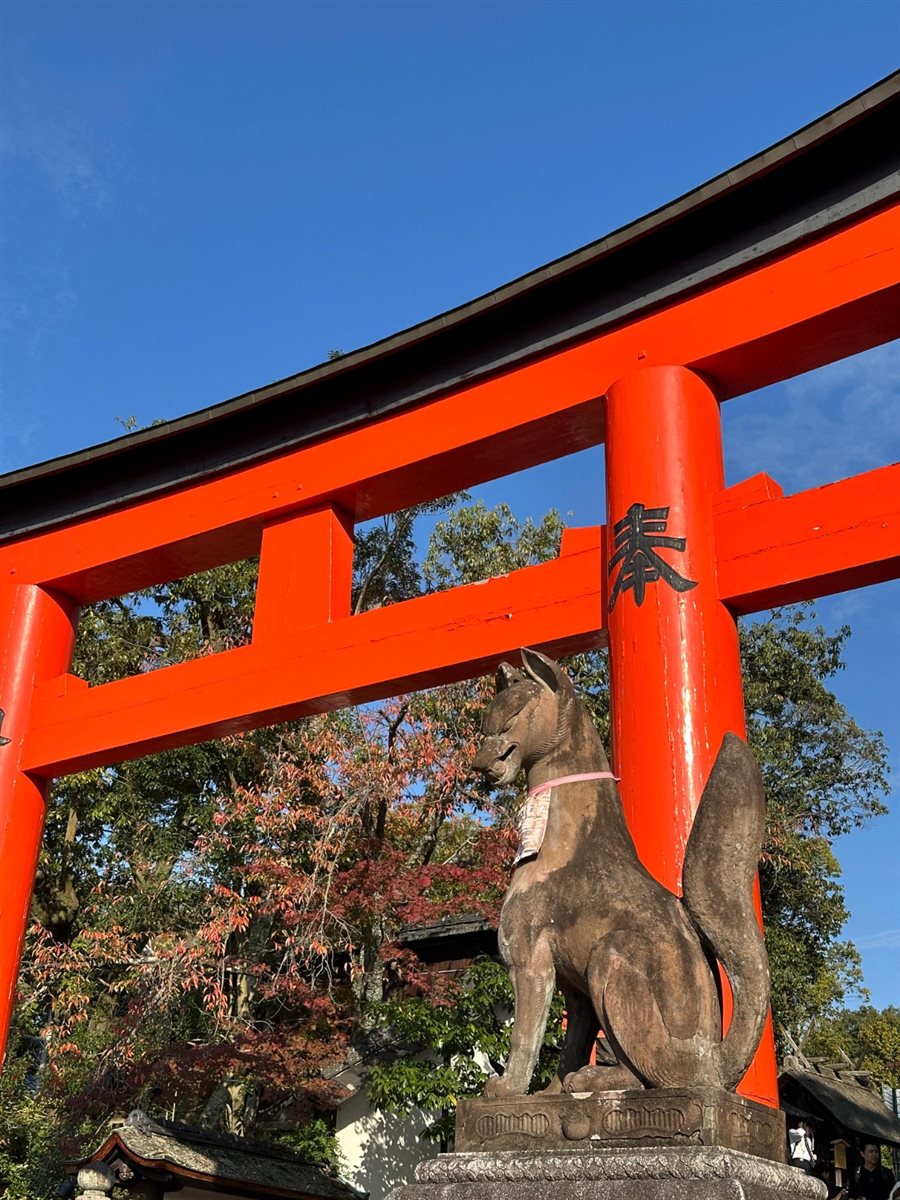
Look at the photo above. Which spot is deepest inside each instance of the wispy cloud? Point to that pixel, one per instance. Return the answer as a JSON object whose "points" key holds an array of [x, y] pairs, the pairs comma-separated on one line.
{"points": [[33, 304], [826, 425], [850, 606], [887, 939], [63, 149]]}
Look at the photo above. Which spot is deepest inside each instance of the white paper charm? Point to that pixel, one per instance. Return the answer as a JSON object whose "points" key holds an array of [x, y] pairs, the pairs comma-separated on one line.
{"points": [[533, 824]]}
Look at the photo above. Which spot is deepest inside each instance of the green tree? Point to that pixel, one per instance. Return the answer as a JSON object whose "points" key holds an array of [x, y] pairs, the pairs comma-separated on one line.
{"points": [[824, 776], [159, 969], [463, 1036], [216, 925], [868, 1037], [476, 542]]}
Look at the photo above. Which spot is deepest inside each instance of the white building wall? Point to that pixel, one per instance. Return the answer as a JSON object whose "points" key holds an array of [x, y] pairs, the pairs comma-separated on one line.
{"points": [[381, 1150], [205, 1194]]}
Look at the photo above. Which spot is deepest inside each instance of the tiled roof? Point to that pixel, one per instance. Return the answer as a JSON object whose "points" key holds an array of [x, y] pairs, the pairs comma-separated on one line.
{"points": [[200, 1155], [859, 1109]]}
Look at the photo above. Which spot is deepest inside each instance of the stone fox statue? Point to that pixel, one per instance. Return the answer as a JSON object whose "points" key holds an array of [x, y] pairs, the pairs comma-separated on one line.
{"points": [[630, 957]]}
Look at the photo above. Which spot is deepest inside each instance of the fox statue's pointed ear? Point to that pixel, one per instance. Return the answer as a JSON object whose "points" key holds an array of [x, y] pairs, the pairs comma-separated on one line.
{"points": [[542, 670], [507, 675]]}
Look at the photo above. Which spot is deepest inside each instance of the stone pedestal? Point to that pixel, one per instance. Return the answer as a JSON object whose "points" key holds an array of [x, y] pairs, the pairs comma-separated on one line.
{"points": [[643, 1117], [610, 1173], [647, 1144]]}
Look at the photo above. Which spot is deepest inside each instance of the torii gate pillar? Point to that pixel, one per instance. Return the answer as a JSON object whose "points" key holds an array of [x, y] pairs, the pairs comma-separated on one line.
{"points": [[674, 653], [37, 633]]}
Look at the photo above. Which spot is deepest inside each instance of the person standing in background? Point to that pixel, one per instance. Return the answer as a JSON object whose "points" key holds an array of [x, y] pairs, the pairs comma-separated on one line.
{"points": [[871, 1181]]}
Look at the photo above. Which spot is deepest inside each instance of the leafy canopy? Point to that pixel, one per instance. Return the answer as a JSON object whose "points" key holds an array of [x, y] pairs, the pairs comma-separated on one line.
{"points": [[218, 930]]}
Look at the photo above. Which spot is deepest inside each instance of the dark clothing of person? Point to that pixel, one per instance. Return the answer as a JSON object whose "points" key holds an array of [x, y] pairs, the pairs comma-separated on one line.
{"points": [[872, 1185]]}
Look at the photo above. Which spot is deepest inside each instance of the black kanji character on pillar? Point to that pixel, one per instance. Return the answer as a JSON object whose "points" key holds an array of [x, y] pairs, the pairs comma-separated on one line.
{"points": [[638, 536]]}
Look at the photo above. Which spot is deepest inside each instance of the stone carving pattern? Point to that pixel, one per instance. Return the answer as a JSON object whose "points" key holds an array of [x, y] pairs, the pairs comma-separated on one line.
{"points": [[495, 1124], [588, 1165], [647, 1122], [633, 1121]]}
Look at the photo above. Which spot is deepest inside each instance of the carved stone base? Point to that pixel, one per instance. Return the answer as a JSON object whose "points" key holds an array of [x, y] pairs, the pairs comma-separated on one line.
{"points": [[662, 1173], [639, 1118]]}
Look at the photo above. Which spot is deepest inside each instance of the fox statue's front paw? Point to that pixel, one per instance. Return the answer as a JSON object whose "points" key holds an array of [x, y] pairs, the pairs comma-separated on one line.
{"points": [[497, 1088], [607, 1078]]}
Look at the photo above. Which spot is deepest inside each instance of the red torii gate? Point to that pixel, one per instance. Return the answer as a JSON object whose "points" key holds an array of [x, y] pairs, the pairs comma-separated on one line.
{"points": [[788, 262]]}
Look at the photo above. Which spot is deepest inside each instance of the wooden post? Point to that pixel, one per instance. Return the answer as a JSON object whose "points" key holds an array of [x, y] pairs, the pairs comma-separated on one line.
{"points": [[305, 576], [37, 631], [674, 653]]}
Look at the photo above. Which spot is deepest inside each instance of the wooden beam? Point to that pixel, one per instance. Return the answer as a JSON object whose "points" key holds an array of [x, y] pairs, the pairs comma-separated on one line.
{"points": [[774, 549], [434, 639], [834, 297], [784, 549], [846, 534]]}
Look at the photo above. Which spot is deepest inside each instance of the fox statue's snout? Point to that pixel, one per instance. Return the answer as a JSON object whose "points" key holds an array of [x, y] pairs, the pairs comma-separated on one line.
{"points": [[498, 760]]}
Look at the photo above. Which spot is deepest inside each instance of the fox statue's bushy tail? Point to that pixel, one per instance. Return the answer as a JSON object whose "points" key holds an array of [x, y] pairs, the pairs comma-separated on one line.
{"points": [[718, 885]]}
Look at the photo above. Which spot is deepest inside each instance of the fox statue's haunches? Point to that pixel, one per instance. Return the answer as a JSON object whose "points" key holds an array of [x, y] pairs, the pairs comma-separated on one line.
{"points": [[630, 957]]}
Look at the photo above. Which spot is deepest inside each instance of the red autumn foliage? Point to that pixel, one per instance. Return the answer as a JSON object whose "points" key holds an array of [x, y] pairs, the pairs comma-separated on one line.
{"points": [[282, 926]]}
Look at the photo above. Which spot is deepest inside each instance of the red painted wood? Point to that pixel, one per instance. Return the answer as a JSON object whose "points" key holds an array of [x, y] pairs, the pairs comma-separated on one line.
{"points": [[675, 667], [525, 416], [305, 575], [435, 639], [748, 491], [814, 543], [447, 636], [36, 638], [677, 652]]}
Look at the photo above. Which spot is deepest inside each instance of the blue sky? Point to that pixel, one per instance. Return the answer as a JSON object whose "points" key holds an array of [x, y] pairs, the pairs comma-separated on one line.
{"points": [[200, 198]]}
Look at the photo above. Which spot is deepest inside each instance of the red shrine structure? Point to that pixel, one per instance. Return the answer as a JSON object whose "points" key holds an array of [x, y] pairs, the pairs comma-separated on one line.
{"points": [[787, 262]]}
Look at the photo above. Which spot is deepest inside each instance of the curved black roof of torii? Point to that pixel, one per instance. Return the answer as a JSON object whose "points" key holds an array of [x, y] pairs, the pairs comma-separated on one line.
{"points": [[834, 168]]}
